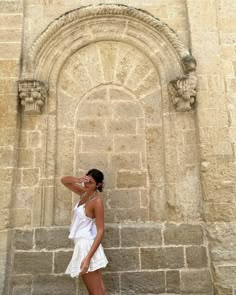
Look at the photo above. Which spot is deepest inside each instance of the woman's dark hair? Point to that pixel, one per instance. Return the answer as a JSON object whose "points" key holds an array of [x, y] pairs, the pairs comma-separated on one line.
{"points": [[98, 176]]}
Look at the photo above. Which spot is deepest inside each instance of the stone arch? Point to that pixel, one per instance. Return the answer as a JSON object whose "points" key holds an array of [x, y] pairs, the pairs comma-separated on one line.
{"points": [[79, 29]]}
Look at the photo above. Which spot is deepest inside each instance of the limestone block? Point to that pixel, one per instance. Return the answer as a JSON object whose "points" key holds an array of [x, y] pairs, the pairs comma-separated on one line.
{"points": [[90, 126], [154, 140], [149, 84], [8, 86], [96, 144], [90, 59], [21, 284], [121, 126], [173, 281], [141, 235], [223, 191], [125, 161], [142, 283], [183, 234], [157, 202], [11, 6], [213, 117], [65, 152], [123, 69], [6, 157], [34, 139], [30, 176], [152, 107], [123, 199], [10, 21], [6, 175], [122, 259], [120, 94], [89, 160], [129, 143], [196, 257], [26, 158], [221, 290], [4, 219], [108, 53], [155, 258], [197, 280], [10, 35], [54, 285], [32, 262], [220, 212], [10, 50], [52, 238], [61, 261], [21, 217], [126, 215], [111, 282], [9, 68], [128, 179], [8, 136], [127, 109], [23, 239], [111, 236], [221, 237]]}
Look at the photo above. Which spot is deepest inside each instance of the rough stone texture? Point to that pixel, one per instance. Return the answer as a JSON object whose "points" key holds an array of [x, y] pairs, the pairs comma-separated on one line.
{"points": [[142, 283], [32, 262], [183, 234], [171, 257], [52, 238], [108, 107], [55, 285], [23, 240]]}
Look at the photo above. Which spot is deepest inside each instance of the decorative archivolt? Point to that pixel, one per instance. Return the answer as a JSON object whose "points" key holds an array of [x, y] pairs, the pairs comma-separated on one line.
{"points": [[47, 49]]}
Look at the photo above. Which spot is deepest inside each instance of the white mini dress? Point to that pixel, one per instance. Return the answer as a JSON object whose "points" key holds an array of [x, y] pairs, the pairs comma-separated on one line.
{"points": [[83, 231]]}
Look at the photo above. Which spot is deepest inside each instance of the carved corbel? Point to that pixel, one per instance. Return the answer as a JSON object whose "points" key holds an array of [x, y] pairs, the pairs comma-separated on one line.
{"points": [[183, 89], [32, 94]]}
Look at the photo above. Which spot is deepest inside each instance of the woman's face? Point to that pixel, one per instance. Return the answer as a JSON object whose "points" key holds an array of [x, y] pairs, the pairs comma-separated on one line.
{"points": [[91, 183]]}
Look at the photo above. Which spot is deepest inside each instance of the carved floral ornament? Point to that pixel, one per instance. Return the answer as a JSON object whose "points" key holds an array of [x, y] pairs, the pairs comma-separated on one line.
{"points": [[32, 91], [32, 94]]}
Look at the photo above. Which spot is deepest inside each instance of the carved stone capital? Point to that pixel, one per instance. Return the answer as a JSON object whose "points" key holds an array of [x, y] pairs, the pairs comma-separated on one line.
{"points": [[183, 89], [32, 94]]}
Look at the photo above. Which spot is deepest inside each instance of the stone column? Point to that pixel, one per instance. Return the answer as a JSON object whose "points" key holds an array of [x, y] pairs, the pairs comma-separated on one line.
{"points": [[11, 19], [217, 155]]}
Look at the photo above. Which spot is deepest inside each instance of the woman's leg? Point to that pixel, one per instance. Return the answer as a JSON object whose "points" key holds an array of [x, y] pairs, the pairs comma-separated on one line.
{"points": [[94, 283]]}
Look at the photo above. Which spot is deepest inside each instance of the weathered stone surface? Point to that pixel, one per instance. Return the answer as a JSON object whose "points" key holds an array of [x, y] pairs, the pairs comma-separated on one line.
{"points": [[21, 284], [52, 238], [61, 261], [196, 257], [122, 259], [131, 179], [111, 236], [23, 240], [111, 282], [55, 285], [141, 235], [32, 262], [194, 281], [142, 283], [183, 234], [173, 281], [154, 258]]}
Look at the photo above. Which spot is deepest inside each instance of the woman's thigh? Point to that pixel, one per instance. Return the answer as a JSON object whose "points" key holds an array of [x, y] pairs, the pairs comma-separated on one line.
{"points": [[94, 283]]}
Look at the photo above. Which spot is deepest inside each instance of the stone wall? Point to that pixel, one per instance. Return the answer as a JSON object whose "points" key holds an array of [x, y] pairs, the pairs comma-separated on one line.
{"points": [[169, 176], [11, 23]]}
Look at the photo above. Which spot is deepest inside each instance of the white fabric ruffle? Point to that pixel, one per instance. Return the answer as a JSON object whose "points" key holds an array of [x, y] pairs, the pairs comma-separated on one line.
{"points": [[81, 249]]}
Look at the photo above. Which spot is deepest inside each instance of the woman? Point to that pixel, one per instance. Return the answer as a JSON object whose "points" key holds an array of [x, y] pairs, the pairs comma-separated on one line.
{"points": [[87, 230]]}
